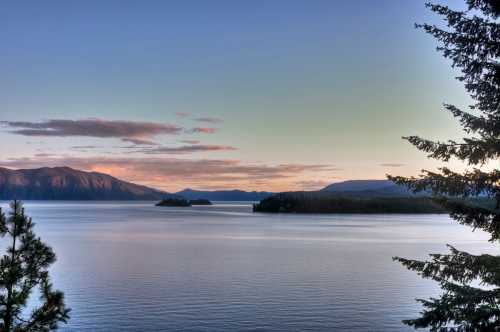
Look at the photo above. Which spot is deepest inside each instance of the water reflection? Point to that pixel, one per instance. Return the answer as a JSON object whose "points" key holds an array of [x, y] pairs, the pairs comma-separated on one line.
{"points": [[133, 266]]}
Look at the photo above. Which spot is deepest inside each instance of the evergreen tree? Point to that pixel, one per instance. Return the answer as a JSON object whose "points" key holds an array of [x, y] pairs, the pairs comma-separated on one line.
{"points": [[23, 268], [471, 283]]}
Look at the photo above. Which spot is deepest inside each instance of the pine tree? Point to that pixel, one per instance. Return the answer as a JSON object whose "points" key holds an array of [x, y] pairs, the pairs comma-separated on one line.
{"points": [[470, 299], [23, 268]]}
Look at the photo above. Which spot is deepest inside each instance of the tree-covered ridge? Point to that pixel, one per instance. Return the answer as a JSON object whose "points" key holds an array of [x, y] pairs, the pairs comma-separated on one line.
{"points": [[22, 269], [325, 202], [471, 283], [174, 201]]}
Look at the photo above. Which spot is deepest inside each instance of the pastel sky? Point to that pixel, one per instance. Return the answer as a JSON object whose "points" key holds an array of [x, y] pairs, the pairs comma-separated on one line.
{"points": [[264, 95]]}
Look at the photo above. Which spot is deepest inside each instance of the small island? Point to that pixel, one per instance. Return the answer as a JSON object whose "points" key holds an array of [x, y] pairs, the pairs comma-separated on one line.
{"points": [[182, 202], [200, 201]]}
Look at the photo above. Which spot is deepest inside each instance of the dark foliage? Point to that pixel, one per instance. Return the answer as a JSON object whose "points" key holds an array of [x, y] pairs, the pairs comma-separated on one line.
{"points": [[174, 202], [22, 269], [470, 283], [322, 202], [200, 201]]}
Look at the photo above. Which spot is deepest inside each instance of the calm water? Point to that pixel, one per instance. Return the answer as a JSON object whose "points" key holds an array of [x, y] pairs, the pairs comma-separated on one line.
{"points": [[136, 267]]}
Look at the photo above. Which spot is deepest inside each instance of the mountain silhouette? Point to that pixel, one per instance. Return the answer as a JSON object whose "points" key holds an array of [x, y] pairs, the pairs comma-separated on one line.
{"points": [[64, 183]]}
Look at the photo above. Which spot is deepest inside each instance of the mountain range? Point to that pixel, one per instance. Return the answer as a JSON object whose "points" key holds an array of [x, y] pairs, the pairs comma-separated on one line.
{"points": [[64, 183], [225, 195], [369, 188]]}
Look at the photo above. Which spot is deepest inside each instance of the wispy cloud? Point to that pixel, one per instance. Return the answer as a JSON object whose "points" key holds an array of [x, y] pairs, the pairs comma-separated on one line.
{"points": [[392, 165], [84, 147], [125, 130], [313, 184], [173, 173], [187, 149], [138, 141], [182, 114], [201, 130], [190, 141], [209, 119], [44, 155]]}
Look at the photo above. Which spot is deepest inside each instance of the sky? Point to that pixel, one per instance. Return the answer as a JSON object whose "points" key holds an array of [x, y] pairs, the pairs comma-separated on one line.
{"points": [[256, 95]]}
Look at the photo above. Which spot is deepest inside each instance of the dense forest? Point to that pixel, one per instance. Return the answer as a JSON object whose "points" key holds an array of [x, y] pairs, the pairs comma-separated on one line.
{"points": [[322, 202]]}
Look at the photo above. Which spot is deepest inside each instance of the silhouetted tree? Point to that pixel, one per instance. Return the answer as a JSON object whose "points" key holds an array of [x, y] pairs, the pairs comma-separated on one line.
{"points": [[23, 268], [471, 283]]}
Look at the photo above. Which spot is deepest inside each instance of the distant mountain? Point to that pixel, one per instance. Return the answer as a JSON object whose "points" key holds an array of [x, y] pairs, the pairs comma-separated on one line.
{"points": [[224, 195], [358, 185], [369, 188], [64, 183]]}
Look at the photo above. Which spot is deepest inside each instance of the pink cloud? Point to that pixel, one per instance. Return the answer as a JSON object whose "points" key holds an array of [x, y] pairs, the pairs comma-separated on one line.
{"points": [[190, 141], [392, 165], [209, 120], [174, 174], [92, 128], [182, 114], [138, 141], [202, 130], [188, 149], [313, 184]]}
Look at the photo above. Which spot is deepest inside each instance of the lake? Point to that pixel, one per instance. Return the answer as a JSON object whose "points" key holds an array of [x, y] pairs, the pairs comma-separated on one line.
{"points": [[131, 266]]}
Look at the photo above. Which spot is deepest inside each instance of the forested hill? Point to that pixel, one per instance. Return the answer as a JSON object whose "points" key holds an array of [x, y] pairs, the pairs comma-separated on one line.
{"points": [[325, 202]]}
